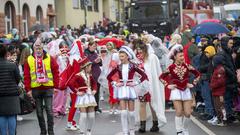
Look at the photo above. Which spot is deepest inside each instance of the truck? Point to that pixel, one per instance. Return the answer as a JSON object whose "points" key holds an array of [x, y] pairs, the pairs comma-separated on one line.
{"points": [[158, 17], [164, 17]]}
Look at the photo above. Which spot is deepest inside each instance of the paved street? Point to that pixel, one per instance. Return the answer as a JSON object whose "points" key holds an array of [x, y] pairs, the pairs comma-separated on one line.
{"points": [[107, 124]]}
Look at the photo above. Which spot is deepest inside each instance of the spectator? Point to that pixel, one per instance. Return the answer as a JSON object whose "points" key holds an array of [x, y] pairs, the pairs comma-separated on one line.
{"points": [[9, 100], [231, 79], [206, 69], [93, 56], [39, 81], [218, 86]]}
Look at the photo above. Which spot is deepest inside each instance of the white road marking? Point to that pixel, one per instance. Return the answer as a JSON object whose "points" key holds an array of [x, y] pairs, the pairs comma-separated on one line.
{"points": [[203, 127]]}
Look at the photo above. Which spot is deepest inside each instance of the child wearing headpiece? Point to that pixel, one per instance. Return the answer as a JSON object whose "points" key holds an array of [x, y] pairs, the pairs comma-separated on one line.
{"points": [[124, 89]]}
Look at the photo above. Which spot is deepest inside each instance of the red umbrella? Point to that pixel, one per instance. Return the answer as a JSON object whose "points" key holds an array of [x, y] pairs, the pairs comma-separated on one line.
{"points": [[211, 20], [117, 42]]}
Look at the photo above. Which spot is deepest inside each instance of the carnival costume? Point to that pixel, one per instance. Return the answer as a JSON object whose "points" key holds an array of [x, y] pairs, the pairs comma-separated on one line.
{"points": [[126, 91], [84, 82], [179, 74]]}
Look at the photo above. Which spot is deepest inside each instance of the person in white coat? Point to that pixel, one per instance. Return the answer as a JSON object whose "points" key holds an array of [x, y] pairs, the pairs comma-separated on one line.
{"points": [[150, 64]]}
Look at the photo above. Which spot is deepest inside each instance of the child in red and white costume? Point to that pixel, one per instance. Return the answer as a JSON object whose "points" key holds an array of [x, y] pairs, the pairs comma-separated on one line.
{"points": [[84, 86], [75, 55], [124, 89], [178, 81]]}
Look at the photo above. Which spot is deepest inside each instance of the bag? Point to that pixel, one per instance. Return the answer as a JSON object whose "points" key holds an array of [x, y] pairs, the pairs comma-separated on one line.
{"points": [[27, 104]]}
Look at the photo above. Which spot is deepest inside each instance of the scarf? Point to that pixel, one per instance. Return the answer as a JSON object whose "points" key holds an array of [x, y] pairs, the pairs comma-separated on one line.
{"points": [[40, 70]]}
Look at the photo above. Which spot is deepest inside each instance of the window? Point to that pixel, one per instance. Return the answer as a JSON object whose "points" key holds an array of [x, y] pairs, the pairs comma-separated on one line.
{"points": [[39, 15], [25, 19], [96, 5], [75, 4], [82, 4], [89, 5], [9, 16]]}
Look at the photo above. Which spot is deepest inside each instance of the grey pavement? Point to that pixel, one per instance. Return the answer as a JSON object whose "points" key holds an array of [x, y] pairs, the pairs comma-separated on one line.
{"points": [[232, 129], [107, 124]]}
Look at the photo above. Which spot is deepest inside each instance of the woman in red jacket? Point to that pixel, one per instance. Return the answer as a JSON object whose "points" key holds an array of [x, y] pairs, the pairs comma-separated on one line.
{"points": [[85, 87], [178, 82], [218, 86]]}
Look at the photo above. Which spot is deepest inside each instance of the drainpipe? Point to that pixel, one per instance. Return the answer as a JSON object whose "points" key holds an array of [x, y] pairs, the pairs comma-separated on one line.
{"points": [[19, 19]]}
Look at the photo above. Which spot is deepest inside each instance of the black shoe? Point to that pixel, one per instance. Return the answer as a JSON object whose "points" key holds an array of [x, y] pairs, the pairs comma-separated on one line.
{"points": [[232, 119], [155, 127], [180, 133], [142, 128], [43, 133], [50, 133], [200, 109], [98, 111], [205, 117]]}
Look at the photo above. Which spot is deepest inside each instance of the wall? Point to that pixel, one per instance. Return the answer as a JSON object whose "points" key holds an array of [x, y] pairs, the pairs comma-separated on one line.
{"points": [[18, 4]]}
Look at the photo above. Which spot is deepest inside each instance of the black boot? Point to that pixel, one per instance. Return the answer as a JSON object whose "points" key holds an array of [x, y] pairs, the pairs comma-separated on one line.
{"points": [[142, 128], [154, 127], [43, 132], [50, 130], [43, 129]]}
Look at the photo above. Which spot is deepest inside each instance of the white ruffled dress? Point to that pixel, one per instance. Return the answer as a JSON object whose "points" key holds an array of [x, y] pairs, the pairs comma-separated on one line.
{"points": [[125, 92]]}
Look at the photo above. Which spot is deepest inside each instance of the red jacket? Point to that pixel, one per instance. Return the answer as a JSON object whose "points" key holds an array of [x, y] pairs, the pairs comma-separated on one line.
{"points": [[218, 81], [178, 75], [27, 76], [132, 70], [78, 83], [185, 52]]}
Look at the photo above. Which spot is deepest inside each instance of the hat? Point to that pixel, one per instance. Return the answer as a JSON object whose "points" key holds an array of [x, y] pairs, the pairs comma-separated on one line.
{"points": [[174, 50], [128, 51], [84, 63], [175, 39], [218, 60], [111, 44], [210, 50]]}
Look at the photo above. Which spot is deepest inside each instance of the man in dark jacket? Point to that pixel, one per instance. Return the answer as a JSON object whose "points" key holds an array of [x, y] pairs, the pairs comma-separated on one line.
{"points": [[206, 70], [9, 100], [231, 80]]}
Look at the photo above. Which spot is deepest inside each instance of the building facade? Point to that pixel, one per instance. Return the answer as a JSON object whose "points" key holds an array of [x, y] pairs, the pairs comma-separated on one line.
{"points": [[79, 12], [22, 14], [221, 2]]}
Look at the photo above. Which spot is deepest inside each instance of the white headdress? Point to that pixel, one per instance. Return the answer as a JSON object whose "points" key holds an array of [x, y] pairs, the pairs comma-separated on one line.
{"points": [[176, 48], [128, 51]]}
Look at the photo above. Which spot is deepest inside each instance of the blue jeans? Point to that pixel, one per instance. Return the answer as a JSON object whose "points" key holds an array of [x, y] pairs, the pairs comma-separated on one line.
{"points": [[207, 98], [228, 101], [8, 125]]}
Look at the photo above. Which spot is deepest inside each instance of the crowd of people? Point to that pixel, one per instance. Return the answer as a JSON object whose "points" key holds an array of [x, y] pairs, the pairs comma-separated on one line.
{"points": [[63, 71]]}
